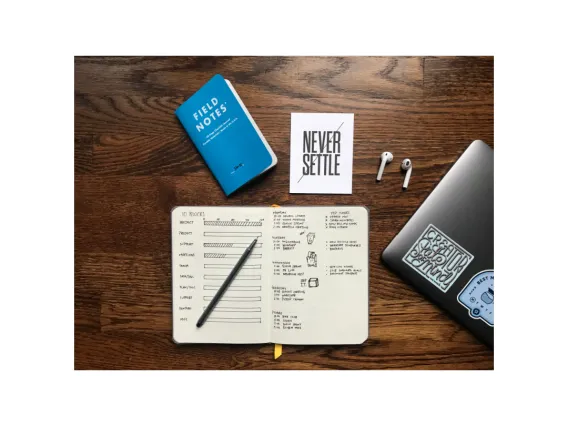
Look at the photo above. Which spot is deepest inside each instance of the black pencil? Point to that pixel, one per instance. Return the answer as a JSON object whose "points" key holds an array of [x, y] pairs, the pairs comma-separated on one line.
{"points": [[225, 285]]}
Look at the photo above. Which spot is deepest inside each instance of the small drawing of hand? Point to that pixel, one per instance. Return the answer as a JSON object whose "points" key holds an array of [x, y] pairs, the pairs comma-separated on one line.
{"points": [[311, 258]]}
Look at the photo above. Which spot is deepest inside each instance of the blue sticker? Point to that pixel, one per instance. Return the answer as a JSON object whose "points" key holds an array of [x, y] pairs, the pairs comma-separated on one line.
{"points": [[478, 297]]}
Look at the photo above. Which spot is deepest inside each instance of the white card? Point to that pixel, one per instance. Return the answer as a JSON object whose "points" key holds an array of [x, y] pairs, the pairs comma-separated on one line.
{"points": [[321, 153]]}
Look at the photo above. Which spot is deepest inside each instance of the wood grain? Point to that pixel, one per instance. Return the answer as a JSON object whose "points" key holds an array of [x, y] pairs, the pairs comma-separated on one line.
{"points": [[134, 162]]}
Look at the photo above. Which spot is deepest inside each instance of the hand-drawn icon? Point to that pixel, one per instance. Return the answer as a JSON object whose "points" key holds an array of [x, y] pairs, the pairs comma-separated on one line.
{"points": [[478, 298], [313, 282], [488, 296], [311, 236], [312, 259]]}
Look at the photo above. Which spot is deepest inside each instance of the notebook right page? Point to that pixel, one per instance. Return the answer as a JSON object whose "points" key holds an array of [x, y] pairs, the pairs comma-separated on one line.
{"points": [[320, 275]]}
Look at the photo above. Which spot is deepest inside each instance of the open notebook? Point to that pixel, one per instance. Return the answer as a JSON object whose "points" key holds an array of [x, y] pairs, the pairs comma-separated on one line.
{"points": [[306, 281]]}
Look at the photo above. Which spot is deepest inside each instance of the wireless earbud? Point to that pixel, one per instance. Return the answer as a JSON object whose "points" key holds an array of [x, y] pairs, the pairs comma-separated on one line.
{"points": [[386, 157], [406, 165]]}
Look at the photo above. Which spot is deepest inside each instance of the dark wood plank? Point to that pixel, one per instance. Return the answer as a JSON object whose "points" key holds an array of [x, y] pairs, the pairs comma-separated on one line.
{"points": [[289, 77], [131, 144], [134, 162], [132, 315], [462, 77]]}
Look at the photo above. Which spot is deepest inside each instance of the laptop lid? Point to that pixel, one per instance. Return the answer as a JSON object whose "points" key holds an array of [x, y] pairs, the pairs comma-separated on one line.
{"points": [[445, 250]]}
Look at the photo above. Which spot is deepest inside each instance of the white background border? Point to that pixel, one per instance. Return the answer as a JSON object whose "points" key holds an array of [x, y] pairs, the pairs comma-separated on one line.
{"points": [[39, 41]]}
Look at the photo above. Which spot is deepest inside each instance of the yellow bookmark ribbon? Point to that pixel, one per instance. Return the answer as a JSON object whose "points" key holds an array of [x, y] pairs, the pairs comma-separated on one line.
{"points": [[277, 347], [277, 351]]}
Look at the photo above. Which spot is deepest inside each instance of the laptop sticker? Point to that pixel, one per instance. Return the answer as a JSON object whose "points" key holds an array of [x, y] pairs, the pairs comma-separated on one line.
{"points": [[477, 296], [438, 258]]}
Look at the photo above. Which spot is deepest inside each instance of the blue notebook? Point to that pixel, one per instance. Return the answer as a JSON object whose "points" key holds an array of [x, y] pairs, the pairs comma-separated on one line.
{"points": [[225, 134]]}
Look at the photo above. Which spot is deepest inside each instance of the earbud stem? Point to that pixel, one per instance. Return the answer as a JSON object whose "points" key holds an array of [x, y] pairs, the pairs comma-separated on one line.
{"points": [[407, 178], [381, 169]]}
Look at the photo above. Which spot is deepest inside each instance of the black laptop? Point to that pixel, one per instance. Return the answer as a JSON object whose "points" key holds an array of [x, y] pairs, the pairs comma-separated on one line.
{"points": [[446, 248]]}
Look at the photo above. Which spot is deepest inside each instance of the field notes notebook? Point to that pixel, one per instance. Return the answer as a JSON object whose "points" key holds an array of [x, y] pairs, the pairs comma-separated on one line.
{"points": [[225, 134], [306, 281]]}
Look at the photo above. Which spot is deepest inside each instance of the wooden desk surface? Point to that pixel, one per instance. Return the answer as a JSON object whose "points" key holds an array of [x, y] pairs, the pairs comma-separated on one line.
{"points": [[134, 162]]}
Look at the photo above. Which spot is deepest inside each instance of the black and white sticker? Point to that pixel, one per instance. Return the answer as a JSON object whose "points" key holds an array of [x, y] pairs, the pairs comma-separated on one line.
{"points": [[438, 258]]}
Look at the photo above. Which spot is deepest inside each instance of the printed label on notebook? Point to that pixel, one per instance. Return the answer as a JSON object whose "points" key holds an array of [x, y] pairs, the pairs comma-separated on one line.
{"points": [[438, 258]]}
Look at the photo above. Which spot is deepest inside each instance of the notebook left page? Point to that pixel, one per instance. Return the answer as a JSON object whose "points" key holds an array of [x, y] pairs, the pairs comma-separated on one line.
{"points": [[206, 244]]}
